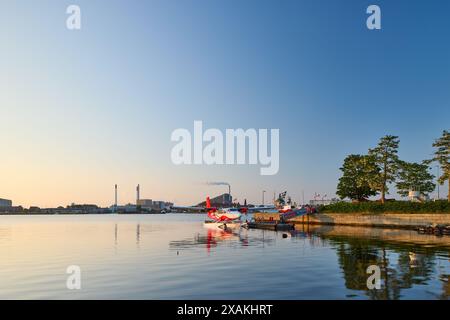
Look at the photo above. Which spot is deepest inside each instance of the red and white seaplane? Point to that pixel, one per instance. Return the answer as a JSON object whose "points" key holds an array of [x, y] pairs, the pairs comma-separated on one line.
{"points": [[225, 217]]}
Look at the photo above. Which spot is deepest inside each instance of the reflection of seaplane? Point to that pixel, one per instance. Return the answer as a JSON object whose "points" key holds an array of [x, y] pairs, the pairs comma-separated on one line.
{"points": [[216, 236], [224, 218]]}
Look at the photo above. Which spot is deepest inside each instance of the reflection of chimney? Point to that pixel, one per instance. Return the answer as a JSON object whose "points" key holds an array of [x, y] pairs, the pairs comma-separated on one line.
{"points": [[137, 194]]}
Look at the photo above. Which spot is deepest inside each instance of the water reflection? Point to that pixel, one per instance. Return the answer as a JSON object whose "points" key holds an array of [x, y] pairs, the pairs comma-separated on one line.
{"points": [[404, 264], [176, 257], [211, 238], [445, 278], [115, 235], [138, 233], [398, 271]]}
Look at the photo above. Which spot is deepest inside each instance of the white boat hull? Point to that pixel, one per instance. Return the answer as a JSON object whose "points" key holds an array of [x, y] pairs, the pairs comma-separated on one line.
{"points": [[223, 225]]}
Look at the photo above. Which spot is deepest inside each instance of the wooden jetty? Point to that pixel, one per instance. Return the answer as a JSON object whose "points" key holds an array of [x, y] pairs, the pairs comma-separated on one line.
{"points": [[269, 225]]}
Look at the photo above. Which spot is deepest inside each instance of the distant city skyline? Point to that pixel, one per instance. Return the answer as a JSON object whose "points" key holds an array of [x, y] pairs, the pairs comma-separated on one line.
{"points": [[81, 111]]}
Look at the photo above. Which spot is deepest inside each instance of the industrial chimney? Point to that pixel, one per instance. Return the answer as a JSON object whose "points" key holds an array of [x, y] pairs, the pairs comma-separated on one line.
{"points": [[115, 198], [138, 189]]}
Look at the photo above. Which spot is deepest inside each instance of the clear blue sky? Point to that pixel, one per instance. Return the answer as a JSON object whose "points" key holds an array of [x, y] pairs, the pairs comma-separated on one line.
{"points": [[82, 110]]}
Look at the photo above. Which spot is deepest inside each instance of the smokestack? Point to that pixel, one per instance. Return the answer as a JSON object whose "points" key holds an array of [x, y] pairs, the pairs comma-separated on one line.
{"points": [[221, 184], [138, 189], [115, 197]]}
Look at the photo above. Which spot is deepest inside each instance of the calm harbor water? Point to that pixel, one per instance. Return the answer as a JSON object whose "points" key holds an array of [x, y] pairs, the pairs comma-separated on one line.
{"points": [[175, 257]]}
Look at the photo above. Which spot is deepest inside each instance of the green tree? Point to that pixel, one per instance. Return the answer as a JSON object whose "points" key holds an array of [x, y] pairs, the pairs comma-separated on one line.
{"points": [[358, 172], [414, 176], [442, 156], [386, 158]]}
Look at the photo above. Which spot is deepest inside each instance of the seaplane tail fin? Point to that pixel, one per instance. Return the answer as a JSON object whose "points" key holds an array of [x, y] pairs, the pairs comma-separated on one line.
{"points": [[208, 203]]}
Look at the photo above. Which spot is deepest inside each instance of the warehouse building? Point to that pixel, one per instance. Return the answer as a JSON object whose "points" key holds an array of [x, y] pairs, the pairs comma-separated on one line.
{"points": [[5, 203]]}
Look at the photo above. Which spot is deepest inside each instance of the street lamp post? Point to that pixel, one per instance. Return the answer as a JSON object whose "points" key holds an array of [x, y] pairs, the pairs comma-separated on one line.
{"points": [[264, 191]]}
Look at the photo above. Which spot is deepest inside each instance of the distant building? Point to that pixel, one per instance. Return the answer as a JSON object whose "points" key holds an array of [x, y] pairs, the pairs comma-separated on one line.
{"points": [[149, 205], [169, 205], [224, 200], [5, 203], [324, 202], [162, 205], [158, 205], [417, 196], [11, 209], [128, 208], [7, 207], [83, 208], [146, 204]]}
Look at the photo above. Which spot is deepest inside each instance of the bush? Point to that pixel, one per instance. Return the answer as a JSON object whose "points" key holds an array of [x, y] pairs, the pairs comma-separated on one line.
{"points": [[441, 206]]}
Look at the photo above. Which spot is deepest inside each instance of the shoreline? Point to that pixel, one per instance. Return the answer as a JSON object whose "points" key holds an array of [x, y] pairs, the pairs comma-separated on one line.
{"points": [[409, 221], [403, 237]]}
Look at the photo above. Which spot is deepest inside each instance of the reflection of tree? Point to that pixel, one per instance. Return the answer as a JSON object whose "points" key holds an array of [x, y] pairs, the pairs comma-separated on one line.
{"points": [[354, 258], [445, 278], [411, 269], [415, 268], [355, 255], [390, 289]]}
